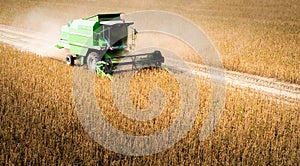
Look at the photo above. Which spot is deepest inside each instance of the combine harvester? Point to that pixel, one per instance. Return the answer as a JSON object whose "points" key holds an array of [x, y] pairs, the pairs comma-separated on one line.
{"points": [[101, 42]]}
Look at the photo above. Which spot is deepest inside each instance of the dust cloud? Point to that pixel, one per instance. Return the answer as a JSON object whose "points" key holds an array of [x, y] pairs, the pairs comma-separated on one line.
{"points": [[45, 31], [165, 41]]}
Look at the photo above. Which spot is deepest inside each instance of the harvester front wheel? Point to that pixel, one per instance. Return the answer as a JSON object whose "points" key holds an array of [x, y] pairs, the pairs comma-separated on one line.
{"points": [[70, 60], [92, 59]]}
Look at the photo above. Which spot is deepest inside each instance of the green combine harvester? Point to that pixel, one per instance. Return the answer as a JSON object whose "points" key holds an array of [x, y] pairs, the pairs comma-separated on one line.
{"points": [[101, 43]]}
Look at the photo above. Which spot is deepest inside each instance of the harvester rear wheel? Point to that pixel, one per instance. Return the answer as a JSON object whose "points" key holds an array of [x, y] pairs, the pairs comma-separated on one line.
{"points": [[92, 59], [70, 60]]}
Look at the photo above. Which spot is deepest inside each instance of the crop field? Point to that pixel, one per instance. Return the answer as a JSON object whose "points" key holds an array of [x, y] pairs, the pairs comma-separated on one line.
{"points": [[39, 123], [256, 37], [41, 126]]}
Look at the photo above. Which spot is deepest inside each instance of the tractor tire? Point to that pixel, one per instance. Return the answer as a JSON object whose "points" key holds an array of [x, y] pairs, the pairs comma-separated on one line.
{"points": [[70, 60], [92, 59]]}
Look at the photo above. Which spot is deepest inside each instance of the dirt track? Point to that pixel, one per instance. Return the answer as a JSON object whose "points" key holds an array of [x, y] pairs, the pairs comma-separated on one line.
{"points": [[40, 44]]}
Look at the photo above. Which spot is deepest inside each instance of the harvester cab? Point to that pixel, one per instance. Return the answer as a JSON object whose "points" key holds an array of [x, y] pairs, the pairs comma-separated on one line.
{"points": [[101, 42], [115, 33]]}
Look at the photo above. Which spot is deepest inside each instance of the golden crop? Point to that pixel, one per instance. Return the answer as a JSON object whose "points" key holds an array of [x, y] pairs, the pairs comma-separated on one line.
{"points": [[39, 123]]}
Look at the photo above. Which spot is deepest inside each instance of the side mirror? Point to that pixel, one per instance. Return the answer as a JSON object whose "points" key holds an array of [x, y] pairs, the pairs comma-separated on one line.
{"points": [[135, 31]]}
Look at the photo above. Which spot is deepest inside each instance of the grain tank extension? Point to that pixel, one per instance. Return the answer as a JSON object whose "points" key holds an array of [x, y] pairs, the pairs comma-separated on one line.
{"points": [[101, 41]]}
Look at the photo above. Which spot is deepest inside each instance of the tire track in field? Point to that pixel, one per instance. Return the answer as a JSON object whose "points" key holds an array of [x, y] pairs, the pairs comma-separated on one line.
{"points": [[36, 42]]}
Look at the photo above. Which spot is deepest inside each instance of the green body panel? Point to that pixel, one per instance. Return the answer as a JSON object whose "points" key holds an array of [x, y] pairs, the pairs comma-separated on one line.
{"points": [[64, 37], [83, 34], [79, 36]]}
